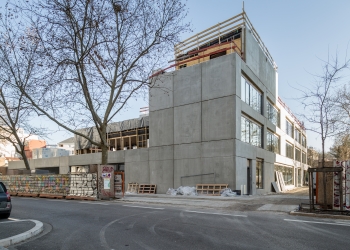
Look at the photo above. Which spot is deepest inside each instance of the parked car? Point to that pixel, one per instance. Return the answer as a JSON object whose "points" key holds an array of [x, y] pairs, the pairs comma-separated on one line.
{"points": [[5, 201]]}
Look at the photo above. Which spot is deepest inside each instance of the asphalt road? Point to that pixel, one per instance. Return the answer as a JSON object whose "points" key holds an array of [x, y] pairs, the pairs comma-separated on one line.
{"points": [[76, 225]]}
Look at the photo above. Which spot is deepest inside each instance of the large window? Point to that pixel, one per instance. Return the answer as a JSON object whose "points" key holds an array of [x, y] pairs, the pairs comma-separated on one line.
{"points": [[303, 141], [297, 135], [259, 174], [273, 114], [303, 157], [250, 132], [273, 142], [289, 150], [251, 95], [287, 173], [289, 128], [297, 154]]}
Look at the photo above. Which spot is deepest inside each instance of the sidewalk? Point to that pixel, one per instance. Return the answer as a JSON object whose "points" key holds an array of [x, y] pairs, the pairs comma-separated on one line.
{"points": [[283, 202], [15, 231]]}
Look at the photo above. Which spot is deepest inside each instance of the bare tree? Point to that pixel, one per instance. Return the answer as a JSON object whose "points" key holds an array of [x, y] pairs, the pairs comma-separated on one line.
{"points": [[321, 111], [341, 147], [17, 66], [96, 55]]}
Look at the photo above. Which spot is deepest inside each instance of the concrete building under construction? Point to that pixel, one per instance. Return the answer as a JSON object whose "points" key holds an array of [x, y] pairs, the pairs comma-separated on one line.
{"points": [[216, 118]]}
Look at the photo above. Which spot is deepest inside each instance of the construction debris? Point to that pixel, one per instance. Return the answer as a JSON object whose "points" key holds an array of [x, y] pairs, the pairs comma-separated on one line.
{"points": [[227, 192], [188, 191]]}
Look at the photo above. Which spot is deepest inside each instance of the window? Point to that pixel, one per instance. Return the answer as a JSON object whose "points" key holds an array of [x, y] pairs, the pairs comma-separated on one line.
{"points": [[297, 135], [251, 95], [289, 150], [287, 173], [273, 142], [289, 128], [297, 154], [303, 141], [273, 114], [303, 157], [259, 174], [250, 132]]}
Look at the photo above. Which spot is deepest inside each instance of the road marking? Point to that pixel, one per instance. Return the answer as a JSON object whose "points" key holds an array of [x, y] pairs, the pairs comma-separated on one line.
{"points": [[13, 219], [198, 212], [59, 200], [94, 203], [320, 222], [158, 208]]}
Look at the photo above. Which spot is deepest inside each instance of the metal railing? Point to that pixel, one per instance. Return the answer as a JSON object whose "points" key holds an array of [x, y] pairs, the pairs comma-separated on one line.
{"points": [[237, 22]]}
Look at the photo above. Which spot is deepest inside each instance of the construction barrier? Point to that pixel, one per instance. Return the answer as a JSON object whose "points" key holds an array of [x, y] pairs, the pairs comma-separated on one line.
{"points": [[82, 185]]}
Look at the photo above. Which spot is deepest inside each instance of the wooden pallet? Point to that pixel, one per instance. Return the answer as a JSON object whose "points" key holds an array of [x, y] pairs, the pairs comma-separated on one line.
{"points": [[85, 198], [147, 188], [133, 187], [28, 194], [52, 196], [210, 189]]}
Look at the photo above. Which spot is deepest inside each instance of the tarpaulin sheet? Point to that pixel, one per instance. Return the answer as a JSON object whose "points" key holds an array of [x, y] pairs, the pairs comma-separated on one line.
{"points": [[92, 133]]}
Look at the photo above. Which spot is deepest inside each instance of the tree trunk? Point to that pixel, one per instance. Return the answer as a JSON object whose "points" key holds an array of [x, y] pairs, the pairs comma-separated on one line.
{"points": [[104, 149], [104, 145], [26, 162], [324, 179]]}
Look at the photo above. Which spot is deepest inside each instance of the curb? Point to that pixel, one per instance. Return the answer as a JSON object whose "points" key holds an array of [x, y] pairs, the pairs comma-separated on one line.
{"points": [[37, 229], [330, 216]]}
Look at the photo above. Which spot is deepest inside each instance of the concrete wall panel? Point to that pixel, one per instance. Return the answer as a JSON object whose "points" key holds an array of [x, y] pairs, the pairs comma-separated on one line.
{"points": [[217, 119], [187, 123], [137, 172], [187, 85], [117, 156], [217, 148], [241, 172], [85, 159], [136, 155], [186, 172], [161, 93], [252, 52], [218, 77], [223, 168], [187, 151], [162, 174], [161, 153], [47, 162], [161, 127]]}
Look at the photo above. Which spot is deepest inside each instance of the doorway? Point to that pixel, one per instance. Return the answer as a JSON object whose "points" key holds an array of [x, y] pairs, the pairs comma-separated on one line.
{"points": [[249, 176]]}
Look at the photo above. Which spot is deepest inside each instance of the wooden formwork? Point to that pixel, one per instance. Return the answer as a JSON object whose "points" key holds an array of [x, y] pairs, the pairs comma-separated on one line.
{"points": [[52, 196], [28, 194], [210, 189], [85, 198], [133, 187], [147, 189]]}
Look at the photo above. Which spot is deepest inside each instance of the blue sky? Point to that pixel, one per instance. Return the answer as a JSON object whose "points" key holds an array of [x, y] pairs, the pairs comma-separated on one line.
{"points": [[297, 33]]}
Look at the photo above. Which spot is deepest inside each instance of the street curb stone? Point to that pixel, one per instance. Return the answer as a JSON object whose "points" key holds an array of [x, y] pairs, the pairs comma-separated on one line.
{"points": [[37, 229], [331, 216]]}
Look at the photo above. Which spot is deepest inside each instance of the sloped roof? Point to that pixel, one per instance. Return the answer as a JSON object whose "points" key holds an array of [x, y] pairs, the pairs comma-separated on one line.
{"points": [[69, 140]]}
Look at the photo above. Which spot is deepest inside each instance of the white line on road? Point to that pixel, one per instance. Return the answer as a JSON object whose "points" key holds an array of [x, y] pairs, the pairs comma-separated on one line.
{"points": [[237, 215], [320, 222], [59, 200], [158, 208], [94, 203], [13, 219]]}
